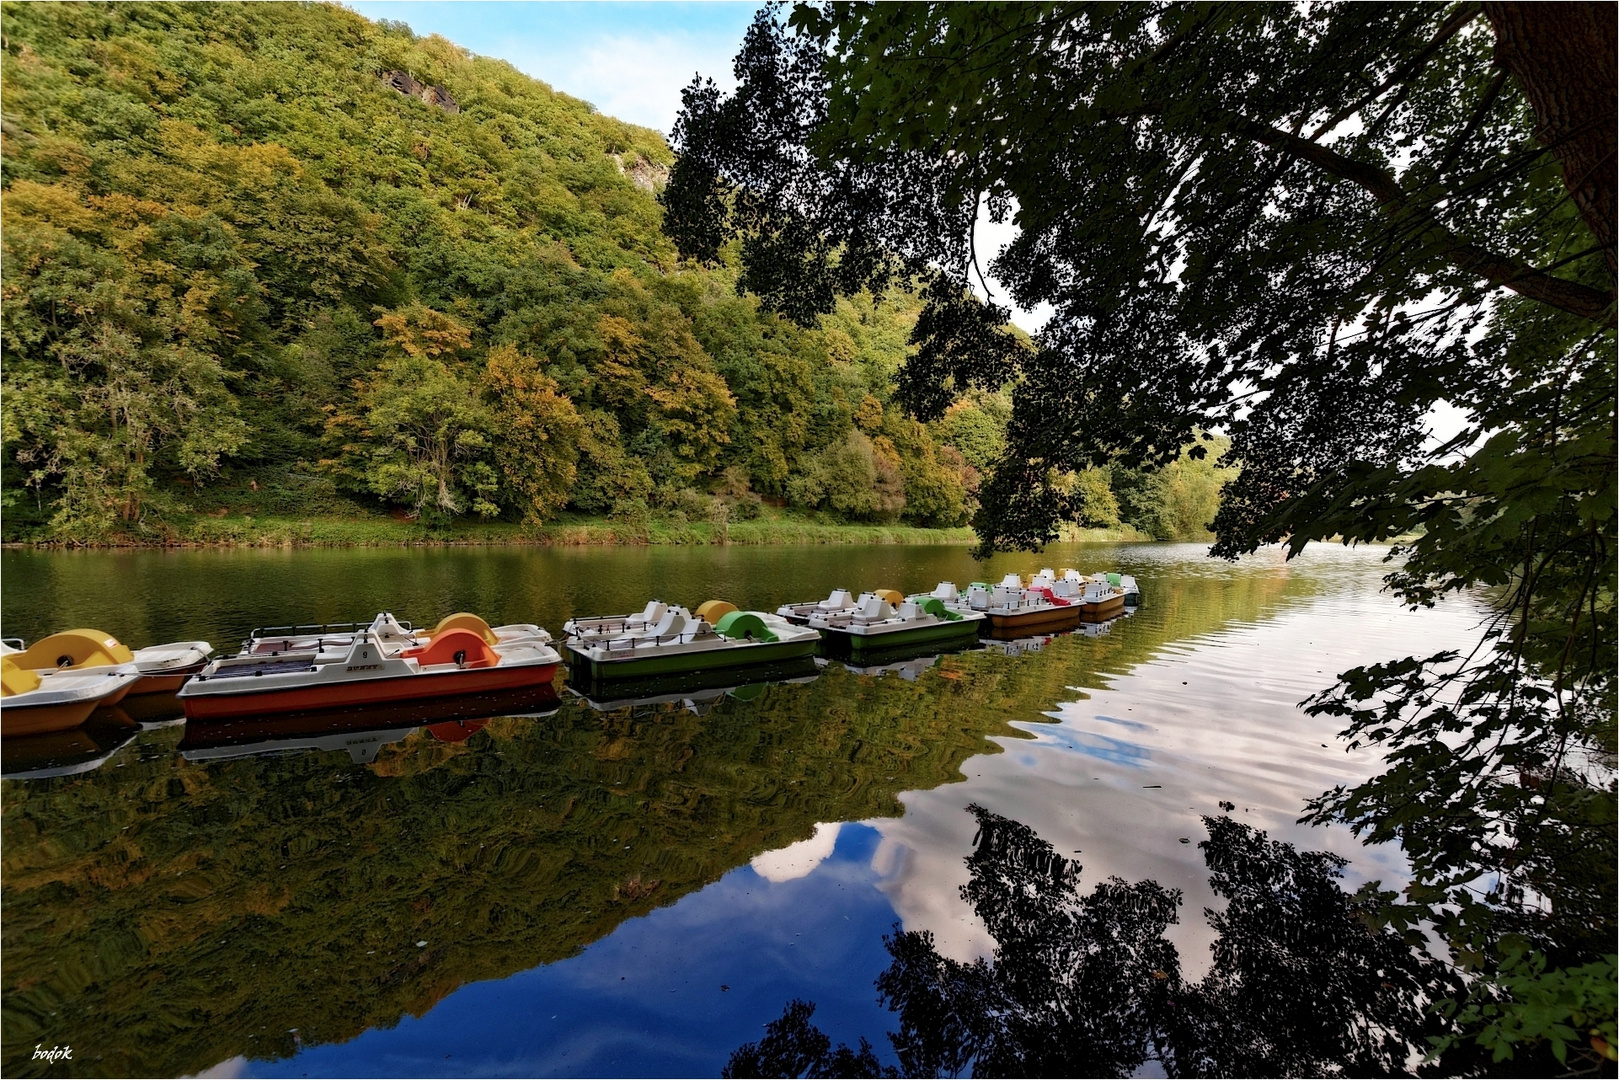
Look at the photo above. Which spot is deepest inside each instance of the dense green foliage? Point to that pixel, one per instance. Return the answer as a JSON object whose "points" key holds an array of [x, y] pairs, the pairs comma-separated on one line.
{"points": [[234, 256], [1307, 226], [243, 271]]}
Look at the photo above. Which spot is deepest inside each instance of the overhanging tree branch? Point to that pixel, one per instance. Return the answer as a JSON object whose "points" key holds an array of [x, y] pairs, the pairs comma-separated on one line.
{"points": [[1500, 270]]}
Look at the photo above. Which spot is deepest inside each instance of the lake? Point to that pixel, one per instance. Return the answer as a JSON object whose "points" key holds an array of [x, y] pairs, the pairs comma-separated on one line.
{"points": [[637, 889]]}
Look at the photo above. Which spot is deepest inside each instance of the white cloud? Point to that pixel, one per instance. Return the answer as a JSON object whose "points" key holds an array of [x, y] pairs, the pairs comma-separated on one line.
{"points": [[637, 79]]}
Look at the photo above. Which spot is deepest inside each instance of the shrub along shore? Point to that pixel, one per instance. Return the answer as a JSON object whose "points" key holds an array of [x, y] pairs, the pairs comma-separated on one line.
{"points": [[382, 531]]}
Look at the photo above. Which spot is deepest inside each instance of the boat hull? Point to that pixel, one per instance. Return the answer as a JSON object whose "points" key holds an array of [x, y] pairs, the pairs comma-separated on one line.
{"points": [[18, 720], [22, 718], [1111, 608], [166, 683], [357, 693], [624, 693], [582, 667], [839, 644], [1026, 623]]}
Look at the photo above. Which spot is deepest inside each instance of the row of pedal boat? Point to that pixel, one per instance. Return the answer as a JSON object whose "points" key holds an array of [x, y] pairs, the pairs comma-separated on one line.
{"points": [[58, 682]]}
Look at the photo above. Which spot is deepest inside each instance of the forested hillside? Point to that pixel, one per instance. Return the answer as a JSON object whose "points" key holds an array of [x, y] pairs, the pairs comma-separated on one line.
{"points": [[278, 259]]}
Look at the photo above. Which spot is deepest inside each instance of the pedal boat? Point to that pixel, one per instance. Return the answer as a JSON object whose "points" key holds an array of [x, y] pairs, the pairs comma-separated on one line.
{"points": [[390, 632], [1072, 584], [717, 637], [1101, 600], [1011, 610], [885, 622], [839, 602], [37, 703], [162, 668], [369, 668]]}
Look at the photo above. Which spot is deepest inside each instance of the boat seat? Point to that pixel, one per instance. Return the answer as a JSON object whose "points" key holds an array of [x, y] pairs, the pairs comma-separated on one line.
{"points": [[465, 648], [696, 632], [388, 629], [978, 598], [839, 600], [946, 590], [875, 609], [650, 616], [1011, 581], [671, 623], [908, 611]]}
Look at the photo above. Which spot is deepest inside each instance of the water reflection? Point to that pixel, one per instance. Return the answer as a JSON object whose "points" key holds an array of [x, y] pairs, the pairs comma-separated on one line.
{"points": [[182, 913], [67, 753], [1302, 983], [361, 732]]}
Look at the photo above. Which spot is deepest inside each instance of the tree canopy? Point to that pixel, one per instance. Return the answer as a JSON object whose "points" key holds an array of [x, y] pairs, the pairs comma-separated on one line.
{"points": [[1306, 227], [284, 258]]}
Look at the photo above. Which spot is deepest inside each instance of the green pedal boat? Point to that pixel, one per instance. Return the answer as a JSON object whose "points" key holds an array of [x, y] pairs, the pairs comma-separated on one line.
{"points": [[884, 622], [679, 642]]}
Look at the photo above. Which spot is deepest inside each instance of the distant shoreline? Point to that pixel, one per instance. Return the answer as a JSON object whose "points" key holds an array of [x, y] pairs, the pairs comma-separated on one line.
{"points": [[276, 532]]}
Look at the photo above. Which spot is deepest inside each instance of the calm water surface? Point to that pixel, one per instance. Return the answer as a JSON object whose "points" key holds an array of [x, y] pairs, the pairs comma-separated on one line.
{"points": [[634, 890]]}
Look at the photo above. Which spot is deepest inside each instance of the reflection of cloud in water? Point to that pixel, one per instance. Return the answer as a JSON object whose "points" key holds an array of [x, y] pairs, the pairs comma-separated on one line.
{"points": [[797, 860], [1218, 719], [919, 868], [1104, 747], [230, 1067], [1131, 724]]}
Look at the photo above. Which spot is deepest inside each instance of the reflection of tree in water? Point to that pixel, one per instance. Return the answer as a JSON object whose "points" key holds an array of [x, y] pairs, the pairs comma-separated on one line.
{"points": [[1302, 984]]}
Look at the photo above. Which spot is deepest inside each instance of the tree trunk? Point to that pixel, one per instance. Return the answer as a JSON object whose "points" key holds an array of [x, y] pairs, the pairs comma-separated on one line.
{"points": [[1562, 54]]}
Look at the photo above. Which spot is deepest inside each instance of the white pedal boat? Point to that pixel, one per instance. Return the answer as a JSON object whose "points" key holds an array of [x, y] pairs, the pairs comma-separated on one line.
{"points": [[839, 602], [885, 621], [390, 632], [374, 667], [680, 643]]}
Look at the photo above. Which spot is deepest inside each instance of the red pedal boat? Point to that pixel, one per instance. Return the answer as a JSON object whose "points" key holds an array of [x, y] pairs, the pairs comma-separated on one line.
{"points": [[365, 669]]}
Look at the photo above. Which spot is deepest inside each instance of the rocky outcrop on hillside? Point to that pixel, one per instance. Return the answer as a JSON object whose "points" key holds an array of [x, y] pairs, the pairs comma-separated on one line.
{"points": [[406, 84]]}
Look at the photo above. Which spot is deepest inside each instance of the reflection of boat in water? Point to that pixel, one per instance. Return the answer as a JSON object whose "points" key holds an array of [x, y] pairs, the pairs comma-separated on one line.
{"points": [[1105, 626], [886, 623], [362, 731], [1019, 646], [373, 668], [67, 753], [700, 691], [717, 637], [910, 668], [153, 709]]}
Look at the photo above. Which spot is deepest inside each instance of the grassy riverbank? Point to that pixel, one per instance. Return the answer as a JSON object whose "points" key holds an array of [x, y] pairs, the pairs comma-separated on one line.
{"points": [[571, 531], [575, 531]]}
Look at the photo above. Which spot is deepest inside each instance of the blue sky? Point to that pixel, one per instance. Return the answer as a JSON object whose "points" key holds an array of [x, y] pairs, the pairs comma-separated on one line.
{"points": [[630, 60]]}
